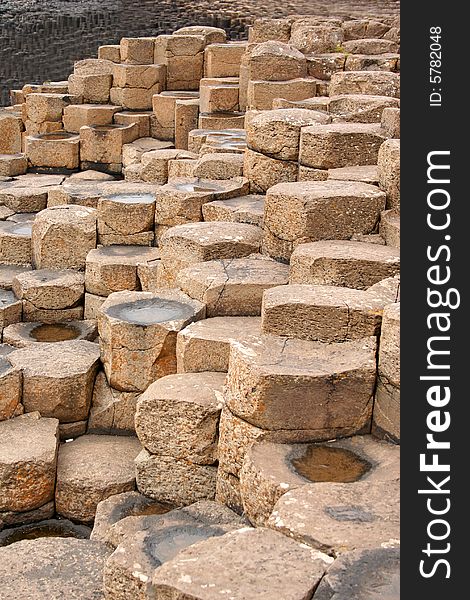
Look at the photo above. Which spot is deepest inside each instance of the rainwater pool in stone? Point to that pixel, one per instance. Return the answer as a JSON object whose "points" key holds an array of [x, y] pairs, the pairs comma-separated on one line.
{"points": [[326, 463], [150, 311], [132, 198], [194, 187], [22, 229], [56, 332]]}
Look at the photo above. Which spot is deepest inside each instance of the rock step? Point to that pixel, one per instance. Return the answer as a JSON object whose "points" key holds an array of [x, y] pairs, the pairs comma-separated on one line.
{"points": [[115, 268], [58, 378], [375, 568], [74, 569], [186, 245], [345, 263], [90, 469], [205, 345], [244, 209], [311, 211], [28, 461], [147, 542], [50, 296], [323, 313], [270, 469], [138, 335], [277, 383], [280, 568], [178, 416], [339, 517], [232, 287]]}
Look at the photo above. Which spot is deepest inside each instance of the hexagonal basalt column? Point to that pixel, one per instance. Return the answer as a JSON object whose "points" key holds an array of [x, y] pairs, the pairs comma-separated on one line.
{"points": [[58, 378], [205, 345], [343, 263], [181, 200], [57, 149], [25, 334], [138, 335], [340, 145], [28, 458], [309, 211], [49, 295], [11, 382], [277, 132], [279, 383], [386, 417], [185, 245], [10, 309], [92, 468], [114, 268], [178, 416], [15, 243], [125, 218], [102, 144], [337, 517], [232, 287], [62, 236], [321, 312], [270, 470]]}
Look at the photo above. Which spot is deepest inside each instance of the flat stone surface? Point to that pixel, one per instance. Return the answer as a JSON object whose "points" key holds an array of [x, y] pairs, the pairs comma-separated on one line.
{"points": [[362, 575], [148, 542], [28, 458], [58, 378], [271, 469], [321, 312], [278, 568], [47, 289], [343, 263], [53, 569], [178, 415], [232, 287], [118, 507], [338, 517], [9, 272], [92, 468], [185, 245], [114, 268], [205, 345], [279, 383], [244, 209]]}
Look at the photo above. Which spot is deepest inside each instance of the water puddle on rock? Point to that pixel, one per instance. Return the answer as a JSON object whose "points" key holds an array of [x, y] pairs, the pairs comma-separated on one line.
{"points": [[57, 332], [326, 463], [194, 187], [132, 198], [44, 529], [22, 229], [150, 311]]}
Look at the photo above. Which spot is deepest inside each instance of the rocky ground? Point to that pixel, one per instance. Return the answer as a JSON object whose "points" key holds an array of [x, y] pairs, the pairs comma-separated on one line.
{"points": [[200, 318], [40, 39]]}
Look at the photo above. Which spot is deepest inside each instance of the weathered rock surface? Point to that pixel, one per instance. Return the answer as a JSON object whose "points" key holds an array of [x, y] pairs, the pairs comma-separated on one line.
{"points": [[28, 458], [92, 468], [58, 378], [178, 416], [52, 569]]}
